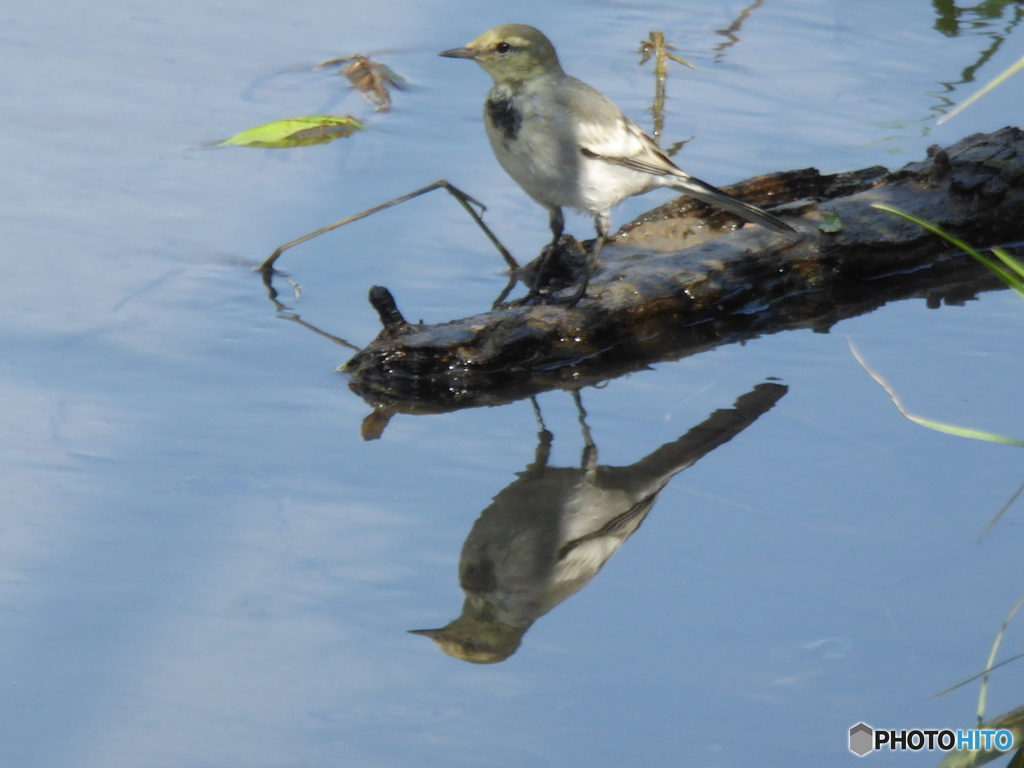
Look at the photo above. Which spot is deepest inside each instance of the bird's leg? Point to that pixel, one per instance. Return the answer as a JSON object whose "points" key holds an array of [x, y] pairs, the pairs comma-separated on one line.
{"points": [[537, 414], [544, 438], [465, 201], [588, 461], [557, 223], [603, 223]]}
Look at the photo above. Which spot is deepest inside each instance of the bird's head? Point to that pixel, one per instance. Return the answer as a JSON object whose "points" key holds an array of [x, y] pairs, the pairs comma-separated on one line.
{"points": [[511, 53], [475, 637]]}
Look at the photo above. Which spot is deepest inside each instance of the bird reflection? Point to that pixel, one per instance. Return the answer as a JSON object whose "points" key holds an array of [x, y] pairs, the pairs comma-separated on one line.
{"points": [[546, 535]]}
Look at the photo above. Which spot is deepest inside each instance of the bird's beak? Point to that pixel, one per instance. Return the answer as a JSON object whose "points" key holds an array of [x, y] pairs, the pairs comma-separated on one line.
{"points": [[433, 634], [459, 53]]}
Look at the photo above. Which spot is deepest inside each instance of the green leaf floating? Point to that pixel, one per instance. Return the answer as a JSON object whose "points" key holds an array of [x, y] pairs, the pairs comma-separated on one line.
{"points": [[296, 132]]}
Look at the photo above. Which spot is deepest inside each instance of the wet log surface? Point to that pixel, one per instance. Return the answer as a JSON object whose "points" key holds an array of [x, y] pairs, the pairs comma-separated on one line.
{"points": [[685, 278]]}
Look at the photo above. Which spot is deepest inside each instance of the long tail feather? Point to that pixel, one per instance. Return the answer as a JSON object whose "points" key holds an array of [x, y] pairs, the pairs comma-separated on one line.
{"points": [[709, 194]]}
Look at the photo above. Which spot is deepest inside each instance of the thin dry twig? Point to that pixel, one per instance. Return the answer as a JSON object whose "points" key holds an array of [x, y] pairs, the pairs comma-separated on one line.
{"points": [[972, 678], [319, 331], [467, 202], [1000, 513]]}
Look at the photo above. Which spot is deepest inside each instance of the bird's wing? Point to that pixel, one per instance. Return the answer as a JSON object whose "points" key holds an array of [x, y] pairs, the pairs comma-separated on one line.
{"points": [[626, 522], [634, 162], [623, 143], [628, 146], [604, 133], [650, 159]]}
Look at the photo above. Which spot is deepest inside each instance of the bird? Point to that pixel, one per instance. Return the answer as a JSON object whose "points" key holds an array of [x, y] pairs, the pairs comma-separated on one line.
{"points": [[568, 146], [546, 536]]}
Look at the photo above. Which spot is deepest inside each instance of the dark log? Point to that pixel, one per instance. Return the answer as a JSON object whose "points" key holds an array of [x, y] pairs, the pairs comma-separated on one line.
{"points": [[685, 278]]}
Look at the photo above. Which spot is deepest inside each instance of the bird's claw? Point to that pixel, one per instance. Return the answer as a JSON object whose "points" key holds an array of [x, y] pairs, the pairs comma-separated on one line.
{"points": [[546, 299]]}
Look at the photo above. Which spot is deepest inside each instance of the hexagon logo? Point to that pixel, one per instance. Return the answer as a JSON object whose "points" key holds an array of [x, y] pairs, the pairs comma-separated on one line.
{"points": [[862, 737]]}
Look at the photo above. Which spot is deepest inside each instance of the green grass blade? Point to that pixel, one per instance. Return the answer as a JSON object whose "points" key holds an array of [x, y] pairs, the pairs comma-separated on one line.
{"points": [[1008, 276], [983, 695], [972, 434], [938, 426], [1009, 261], [999, 80], [965, 758]]}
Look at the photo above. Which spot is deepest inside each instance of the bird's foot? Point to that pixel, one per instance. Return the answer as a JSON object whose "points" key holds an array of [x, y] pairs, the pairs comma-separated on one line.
{"points": [[543, 297], [533, 297], [568, 301]]}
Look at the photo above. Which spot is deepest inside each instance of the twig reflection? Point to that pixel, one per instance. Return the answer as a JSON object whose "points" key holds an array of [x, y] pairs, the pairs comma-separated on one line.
{"points": [[729, 33]]}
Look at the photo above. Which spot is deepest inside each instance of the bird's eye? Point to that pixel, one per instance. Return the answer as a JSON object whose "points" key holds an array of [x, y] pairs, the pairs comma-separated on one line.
{"points": [[503, 47]]}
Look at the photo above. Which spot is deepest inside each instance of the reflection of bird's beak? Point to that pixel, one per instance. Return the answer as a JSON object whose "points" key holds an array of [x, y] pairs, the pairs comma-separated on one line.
{"points": [[459, 53], [433, 634]]}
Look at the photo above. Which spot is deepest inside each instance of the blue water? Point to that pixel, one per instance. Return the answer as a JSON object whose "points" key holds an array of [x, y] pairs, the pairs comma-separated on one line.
{"points": [[201, 562]]}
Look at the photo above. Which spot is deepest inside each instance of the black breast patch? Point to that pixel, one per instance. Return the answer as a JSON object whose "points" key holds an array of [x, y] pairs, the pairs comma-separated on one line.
{"points": [[478, 577], [505, 117]]}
